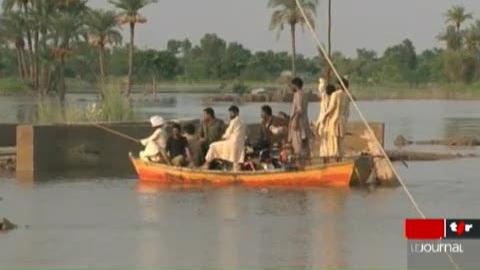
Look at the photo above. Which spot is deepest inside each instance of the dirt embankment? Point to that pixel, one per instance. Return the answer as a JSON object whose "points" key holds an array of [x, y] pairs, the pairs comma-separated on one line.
{"points": [[401, 155], [373, 93], [263, 97], [450, 141]]}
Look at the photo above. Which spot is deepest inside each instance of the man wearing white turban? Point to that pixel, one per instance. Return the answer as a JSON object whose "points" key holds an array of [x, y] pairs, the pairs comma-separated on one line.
{"points": [[155, 144]]}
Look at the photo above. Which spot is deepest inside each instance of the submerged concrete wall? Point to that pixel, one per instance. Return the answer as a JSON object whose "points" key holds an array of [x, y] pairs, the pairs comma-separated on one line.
{"points": [[8, 135], [83, 147], [76, 147]]}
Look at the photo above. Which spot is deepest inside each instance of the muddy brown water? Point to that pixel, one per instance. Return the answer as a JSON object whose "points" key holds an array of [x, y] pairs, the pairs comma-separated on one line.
{"points": [[109, 222]]}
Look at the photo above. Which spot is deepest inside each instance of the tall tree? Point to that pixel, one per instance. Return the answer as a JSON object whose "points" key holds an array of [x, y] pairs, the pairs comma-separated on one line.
{"points": [[457, 16], [235, 60], [452, 38], [130, 16], [12, 26], [103, 30], [472, 38], [212, 49], [286, 12], [66, 27], [24, 10], [400, 62]]}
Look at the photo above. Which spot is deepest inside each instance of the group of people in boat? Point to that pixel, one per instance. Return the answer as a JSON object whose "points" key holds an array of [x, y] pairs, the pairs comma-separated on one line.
{"points": [[291, 136]]}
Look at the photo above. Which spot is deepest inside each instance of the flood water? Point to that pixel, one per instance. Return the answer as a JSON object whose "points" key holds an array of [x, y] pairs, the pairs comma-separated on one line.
{"points": [[115, 222]]}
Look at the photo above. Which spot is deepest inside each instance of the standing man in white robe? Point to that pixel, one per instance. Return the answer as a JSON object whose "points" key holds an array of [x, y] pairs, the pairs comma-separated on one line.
{"points": [[232, 146], [335, 122], [324, 98], [325, 92]]}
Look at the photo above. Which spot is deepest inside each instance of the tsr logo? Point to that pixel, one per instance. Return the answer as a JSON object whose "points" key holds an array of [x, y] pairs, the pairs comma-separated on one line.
{"points": [[460, 228]]}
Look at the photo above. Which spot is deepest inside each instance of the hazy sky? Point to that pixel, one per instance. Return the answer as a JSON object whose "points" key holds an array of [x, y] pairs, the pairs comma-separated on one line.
{"points": [[374, 24]]}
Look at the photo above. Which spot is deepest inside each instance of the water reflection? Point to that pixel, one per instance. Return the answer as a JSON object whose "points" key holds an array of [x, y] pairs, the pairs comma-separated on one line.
{"points": [[228, 212], [327, 240], [38, 177], [151, 211], [243, 227]]}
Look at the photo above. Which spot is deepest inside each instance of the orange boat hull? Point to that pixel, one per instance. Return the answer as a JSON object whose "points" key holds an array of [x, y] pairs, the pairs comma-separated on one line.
{"points": [[335, 174]]}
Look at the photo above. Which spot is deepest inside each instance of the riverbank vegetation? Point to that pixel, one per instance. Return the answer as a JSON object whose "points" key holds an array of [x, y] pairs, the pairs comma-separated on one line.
{"points": [[12, 85], [113, 106], [50, 46]]}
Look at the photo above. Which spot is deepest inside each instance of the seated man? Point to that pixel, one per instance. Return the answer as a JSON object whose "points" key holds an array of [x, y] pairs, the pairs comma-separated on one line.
{"points": [[193, 144], [273, 130], [177, 148], [232, 146], [155, 144], [211, 131]]}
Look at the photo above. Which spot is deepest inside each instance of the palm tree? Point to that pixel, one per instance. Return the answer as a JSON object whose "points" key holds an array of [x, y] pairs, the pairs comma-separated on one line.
{"points": [[286, 12], [457, 16], [66, 27], [103, 30], [452, 38], [12, 26], [130, 16], [472, 39], [23, 8]]}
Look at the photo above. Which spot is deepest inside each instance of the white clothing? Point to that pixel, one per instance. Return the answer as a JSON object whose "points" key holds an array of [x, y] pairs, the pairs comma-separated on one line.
{"points": [[232, 147], [157, 121], [153, 145], [324, 98], [323, 141]]}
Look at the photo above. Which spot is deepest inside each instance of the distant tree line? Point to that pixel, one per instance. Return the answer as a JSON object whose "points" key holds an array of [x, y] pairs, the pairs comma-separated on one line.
{"points": [[214, 59], [46, 41]]}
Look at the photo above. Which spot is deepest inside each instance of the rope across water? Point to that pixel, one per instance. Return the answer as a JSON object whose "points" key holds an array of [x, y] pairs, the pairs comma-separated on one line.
{"points": [[364, 120]]}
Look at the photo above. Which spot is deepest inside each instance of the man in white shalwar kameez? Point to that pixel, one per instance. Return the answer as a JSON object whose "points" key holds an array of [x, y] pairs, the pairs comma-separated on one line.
{"points": [[335, 122], [232, 146], [324, 98], [155, 144]]}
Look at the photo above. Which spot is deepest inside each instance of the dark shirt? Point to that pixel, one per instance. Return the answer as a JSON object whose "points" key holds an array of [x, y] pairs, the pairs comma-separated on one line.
{"points": [[266, 137], [212, 131], [176, 147]]}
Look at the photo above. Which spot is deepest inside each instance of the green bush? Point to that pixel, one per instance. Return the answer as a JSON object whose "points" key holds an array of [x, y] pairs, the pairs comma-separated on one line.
{"points": [[112, 107], [12, 85], [239, 88], [51, 110]]}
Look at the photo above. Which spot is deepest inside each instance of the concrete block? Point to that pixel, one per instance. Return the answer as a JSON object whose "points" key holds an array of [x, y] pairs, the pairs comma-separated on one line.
{"points": [[354, 144]]}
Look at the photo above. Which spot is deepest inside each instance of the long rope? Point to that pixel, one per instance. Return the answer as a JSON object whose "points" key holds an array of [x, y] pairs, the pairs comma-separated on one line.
{"points": [[364, 120], [125, 136]]}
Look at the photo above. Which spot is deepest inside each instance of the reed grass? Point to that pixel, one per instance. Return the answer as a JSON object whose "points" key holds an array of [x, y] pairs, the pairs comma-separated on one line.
{"points": [[13, 86], [112, 106]]}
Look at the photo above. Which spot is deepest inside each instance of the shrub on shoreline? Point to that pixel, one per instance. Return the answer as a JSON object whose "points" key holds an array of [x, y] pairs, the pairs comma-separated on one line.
{"points": [[12, 86], [113, 106]]}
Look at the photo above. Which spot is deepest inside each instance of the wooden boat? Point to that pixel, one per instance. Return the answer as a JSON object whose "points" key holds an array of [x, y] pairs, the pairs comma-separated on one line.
{"points": [[332, 174]]}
